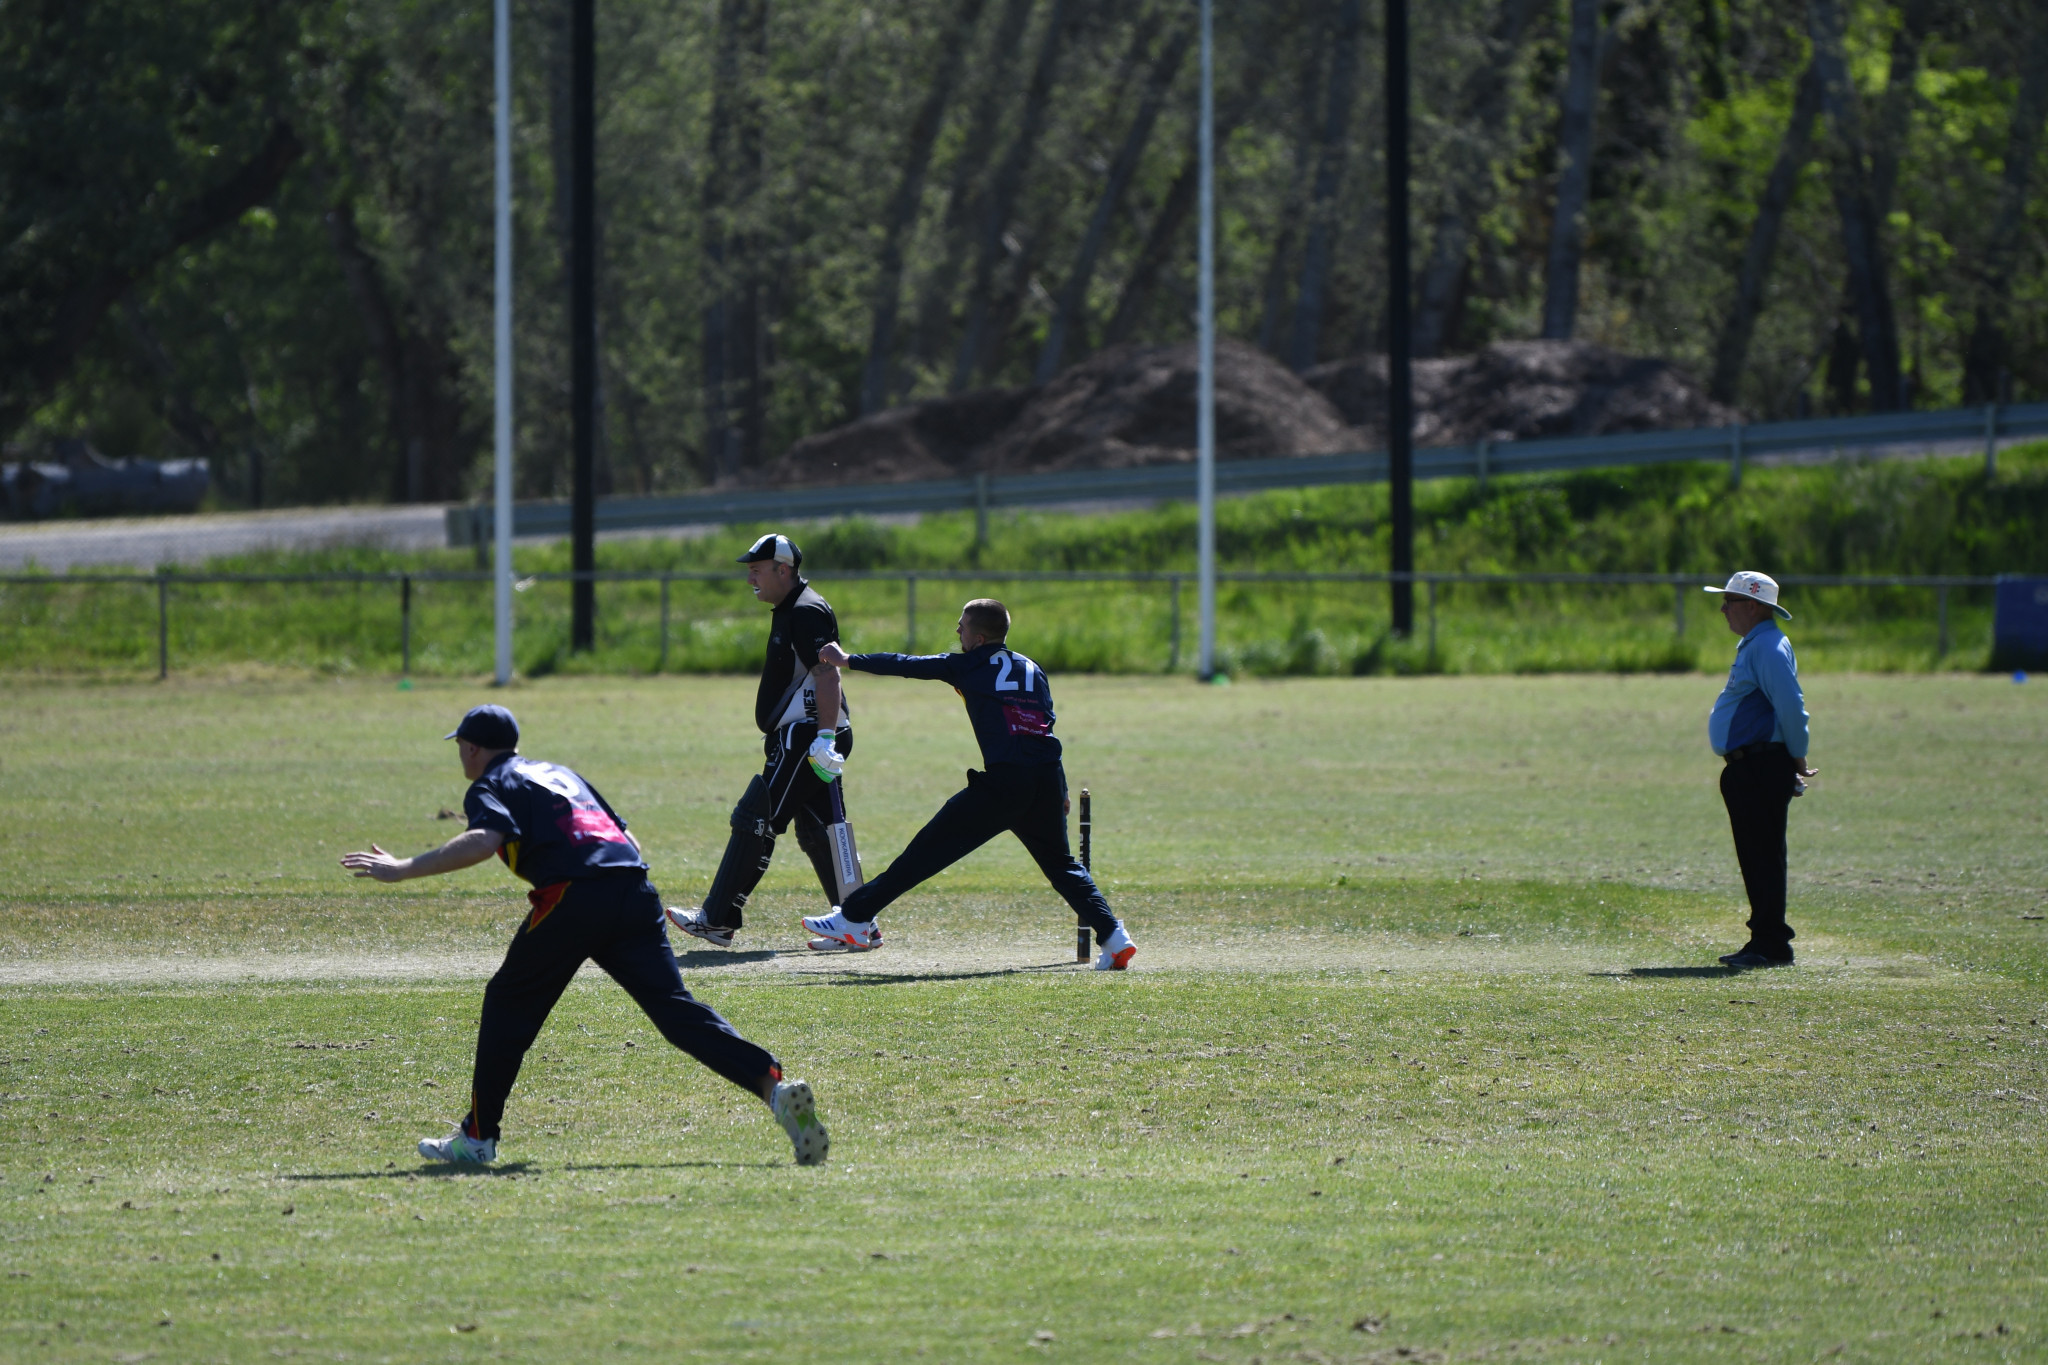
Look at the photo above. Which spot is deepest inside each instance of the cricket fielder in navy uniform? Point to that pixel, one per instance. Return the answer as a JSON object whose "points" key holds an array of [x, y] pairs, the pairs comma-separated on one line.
{"points": [[1758, 727], [1022, 788], [591, 899], [807, 733]]}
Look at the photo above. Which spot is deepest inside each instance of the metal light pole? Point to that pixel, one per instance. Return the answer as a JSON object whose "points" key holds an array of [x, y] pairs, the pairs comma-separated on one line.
{"points": [[583, 316], [1205, 399], [502, 473], [1400, 339]]}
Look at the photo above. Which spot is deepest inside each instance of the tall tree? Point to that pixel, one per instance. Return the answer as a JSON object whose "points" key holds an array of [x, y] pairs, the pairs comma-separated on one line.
{"points": [[1795, 149], [901, 215], [1477, 138], [1575, 176], [1989, 352], [1073, 295], [133, 131], [1333, 148], [1856, 205], [734, 399], [1003, 190], [970, 169]]}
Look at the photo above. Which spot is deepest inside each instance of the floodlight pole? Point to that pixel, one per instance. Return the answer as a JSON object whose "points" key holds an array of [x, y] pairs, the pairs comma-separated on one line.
{"points": [[1400, 335], [502, 336], [1205, 399], [583, 317]]}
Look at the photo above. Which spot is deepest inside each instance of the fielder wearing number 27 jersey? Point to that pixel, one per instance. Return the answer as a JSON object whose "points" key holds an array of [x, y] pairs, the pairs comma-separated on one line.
{"points": [[1009, 700]]}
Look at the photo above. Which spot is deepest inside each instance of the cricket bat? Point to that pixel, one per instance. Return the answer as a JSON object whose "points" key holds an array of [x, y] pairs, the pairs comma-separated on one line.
{"points": [[845, 857]]}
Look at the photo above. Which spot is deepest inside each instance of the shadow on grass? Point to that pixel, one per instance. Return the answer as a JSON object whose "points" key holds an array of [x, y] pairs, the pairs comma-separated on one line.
{"points": [[1677, 973], [857, 978], [699, 958], [438, 1169]]}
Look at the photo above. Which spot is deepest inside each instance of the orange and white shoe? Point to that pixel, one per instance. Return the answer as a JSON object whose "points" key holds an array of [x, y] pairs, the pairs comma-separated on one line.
{"points": [[1117, 951], [836, 933]]}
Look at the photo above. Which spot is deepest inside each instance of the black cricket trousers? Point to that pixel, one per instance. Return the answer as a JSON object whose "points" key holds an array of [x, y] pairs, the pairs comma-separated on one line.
{"points": [[1029, 800], [1757, 789], [616, 922]]}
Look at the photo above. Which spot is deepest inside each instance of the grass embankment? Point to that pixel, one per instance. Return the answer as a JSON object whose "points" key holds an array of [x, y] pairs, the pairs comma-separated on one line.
{"points": [[1860, 517], [1443, 1071]]}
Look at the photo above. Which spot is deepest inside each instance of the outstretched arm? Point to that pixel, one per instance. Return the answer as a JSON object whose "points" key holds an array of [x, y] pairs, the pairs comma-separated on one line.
{"points": [[932, 667], [466, 849]]}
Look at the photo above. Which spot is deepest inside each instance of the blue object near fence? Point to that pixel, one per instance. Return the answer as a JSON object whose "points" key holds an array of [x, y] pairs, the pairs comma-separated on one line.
{"points": [[2019, 625]]}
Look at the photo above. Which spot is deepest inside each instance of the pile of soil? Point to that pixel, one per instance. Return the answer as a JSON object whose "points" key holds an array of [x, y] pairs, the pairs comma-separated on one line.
{"points": [[1521, 390], [1134, 405], [1123, 407]]}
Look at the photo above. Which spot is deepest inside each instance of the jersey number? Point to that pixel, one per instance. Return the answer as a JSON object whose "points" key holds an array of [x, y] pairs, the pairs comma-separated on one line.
{"points": [[1004, 682]]}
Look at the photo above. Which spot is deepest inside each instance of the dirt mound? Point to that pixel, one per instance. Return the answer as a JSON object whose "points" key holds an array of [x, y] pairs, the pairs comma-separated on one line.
{"points": [[1520, 390], [1123, 407]]}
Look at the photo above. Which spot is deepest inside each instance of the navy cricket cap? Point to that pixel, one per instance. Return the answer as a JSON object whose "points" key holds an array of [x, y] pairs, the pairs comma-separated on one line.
{"points": [[487, 727], [781, 549]]}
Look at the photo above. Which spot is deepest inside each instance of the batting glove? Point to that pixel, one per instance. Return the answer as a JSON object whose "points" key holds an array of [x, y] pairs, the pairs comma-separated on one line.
{"points": [[825, 759]]}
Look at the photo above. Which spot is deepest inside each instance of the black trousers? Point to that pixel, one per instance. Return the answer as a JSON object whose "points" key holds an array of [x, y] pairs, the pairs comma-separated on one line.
{"points": [[616, 922], [1029, 802], [1757, 789], [790, 791]]}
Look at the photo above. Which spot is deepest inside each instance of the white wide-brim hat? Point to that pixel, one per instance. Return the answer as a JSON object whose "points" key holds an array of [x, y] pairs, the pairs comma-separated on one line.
{"points": [[1758, 587]]}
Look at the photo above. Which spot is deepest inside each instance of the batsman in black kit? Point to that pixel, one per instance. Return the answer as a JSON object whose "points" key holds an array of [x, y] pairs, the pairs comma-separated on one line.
{"points": [[1022, 788], [809, 733], [591, 900]]}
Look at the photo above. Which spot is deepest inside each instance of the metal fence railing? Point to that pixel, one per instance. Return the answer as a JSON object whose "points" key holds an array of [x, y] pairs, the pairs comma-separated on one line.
{"points": [[1481, 460], [1683, 586]]}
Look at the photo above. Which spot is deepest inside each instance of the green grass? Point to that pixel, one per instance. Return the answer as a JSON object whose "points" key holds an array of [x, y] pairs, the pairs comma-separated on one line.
{"points": [[1851, 517], [1426, 1039]]}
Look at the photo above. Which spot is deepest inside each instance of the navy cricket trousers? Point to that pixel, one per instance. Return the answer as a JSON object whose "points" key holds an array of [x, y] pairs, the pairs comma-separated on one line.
{"points": [[1027, 800], [616, 922], [1757, 789]]}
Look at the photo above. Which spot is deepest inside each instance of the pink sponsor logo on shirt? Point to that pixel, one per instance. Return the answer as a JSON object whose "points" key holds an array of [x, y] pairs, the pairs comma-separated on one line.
{"points": [[592, 827]]}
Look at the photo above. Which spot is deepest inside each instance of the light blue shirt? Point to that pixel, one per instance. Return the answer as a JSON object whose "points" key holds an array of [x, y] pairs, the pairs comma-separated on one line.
{"points": [[1762, 703]]}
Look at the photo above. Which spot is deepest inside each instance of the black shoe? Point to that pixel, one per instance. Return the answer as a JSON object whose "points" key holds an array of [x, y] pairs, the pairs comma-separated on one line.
{"points": [[1751, 958]]}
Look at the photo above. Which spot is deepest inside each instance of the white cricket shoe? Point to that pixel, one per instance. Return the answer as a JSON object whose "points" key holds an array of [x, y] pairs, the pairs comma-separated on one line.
{"points": [[1117, 952], [459, 1147], [835, 933], [796, 1109], [693, 922]]}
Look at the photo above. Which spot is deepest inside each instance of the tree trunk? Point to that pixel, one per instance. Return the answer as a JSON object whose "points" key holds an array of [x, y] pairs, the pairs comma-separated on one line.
{"points": [[1315, 255], [935, 298], [1988, 355], [1073, 296], [1794, 150], [1888, 138], [1003, 190], [1862, 243], [1167, 224], [733, 396], [1482, 119], [422, 376], [902, 213], [1575, 179]]}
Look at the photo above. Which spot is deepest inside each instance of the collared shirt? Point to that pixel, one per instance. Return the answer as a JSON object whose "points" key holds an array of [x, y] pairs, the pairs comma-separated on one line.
{"points": [[799, 625], [1009, 701], [556, 827], [1762, 703]]}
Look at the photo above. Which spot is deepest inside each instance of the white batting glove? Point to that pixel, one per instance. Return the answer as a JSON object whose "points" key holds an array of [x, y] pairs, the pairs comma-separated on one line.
{"points": [[825, 759]]}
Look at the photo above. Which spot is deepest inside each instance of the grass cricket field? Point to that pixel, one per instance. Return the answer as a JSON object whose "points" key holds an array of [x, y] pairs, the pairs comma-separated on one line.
{"points": [[1424, 1056]]}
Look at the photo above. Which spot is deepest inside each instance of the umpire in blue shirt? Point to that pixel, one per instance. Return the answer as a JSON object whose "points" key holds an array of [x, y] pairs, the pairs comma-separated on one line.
{"points": [[1758, 726]]}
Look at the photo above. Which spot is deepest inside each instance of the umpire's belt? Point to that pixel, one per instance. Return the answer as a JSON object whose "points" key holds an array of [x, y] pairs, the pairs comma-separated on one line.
{"points": [[1754, 751]]}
